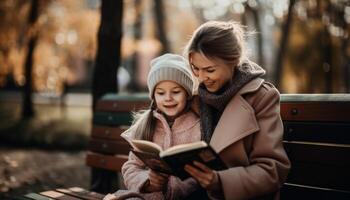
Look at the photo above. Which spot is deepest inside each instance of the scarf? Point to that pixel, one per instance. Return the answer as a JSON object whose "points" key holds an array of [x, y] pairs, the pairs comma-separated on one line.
{"points": [[212, 105]]}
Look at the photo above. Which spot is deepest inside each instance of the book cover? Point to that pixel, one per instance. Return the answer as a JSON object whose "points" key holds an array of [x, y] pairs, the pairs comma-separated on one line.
{"points": [[173, 160]]}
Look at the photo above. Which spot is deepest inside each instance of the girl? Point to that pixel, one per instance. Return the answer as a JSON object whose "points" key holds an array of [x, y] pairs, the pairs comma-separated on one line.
{"points": [[168, 122], [239, 114]]}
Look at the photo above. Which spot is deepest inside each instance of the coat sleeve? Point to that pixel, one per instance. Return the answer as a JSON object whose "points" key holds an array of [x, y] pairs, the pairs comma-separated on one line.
{"points": [[178, 189], [134, 173], [268, 163]]}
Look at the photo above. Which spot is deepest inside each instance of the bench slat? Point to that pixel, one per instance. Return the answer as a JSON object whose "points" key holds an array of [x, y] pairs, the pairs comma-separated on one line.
{"points": [[321, 165], [332, 132], [324, 176], [108, 132], [109, 146], [319, 153], [35, 196], [108, 162], [294, 191], [112, 119], [121, 105], [58, 195], [82, 191], [85, 196], [316, 111]]}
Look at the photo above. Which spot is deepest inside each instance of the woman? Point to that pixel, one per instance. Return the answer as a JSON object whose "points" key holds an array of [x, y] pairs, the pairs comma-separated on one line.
{"points": [[240, 116]]}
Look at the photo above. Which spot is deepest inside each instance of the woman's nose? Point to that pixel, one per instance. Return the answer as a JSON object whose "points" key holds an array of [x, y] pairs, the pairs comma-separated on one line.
{"points": [[201, 76]]}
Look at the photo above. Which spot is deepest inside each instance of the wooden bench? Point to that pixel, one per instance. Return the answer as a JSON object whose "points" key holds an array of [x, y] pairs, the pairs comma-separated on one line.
{"points": [[74, 193], [316, 139], [107, 150]]}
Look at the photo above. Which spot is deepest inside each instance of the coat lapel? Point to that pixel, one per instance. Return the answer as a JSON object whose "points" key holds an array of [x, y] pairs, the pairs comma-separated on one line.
{"points": [[238, 119]]}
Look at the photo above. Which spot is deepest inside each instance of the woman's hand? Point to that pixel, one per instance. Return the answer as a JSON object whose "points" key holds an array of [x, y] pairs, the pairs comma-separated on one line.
{"points": [[206, 177], [157, 181], [110, 197]]}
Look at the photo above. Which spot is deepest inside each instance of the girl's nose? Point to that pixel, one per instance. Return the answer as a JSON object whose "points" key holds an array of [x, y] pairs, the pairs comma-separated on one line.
{"points": [[168, 96]]}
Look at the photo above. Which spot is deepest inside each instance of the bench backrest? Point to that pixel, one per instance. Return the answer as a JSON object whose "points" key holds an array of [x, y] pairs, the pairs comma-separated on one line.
{"points": [[112, 116], [316, 139]]}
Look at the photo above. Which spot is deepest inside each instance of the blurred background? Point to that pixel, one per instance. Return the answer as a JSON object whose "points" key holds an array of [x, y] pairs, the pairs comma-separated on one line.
{"points": [[56, 54]]}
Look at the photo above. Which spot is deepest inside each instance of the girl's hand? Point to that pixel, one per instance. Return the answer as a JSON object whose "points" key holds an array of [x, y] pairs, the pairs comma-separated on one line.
{"points": [[206, 177], [157, 181], [110, 197]]}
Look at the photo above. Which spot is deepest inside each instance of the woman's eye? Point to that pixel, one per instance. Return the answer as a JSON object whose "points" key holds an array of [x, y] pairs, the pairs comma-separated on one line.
{"points": [[160, 93], [194, 68], [176, 92], [211, 70]]}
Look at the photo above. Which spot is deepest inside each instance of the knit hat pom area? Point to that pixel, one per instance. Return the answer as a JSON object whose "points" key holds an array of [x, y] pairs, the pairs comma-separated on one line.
{"points": [[170, 67]]}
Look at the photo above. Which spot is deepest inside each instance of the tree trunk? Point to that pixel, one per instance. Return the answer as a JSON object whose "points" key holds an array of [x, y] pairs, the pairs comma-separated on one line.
{"points": [[160, 19], [346, 61], [105, 75], [137, 34], [284, 43], [327, 51], [27, 105], [259, 40], [108, 51]]}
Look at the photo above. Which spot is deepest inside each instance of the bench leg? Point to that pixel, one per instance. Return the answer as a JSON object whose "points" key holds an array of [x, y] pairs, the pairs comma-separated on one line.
{"points": [[104, 181]]}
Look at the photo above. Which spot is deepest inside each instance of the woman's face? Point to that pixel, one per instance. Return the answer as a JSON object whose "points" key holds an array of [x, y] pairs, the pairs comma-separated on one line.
{"points": [[170, 98], [213, 73]]}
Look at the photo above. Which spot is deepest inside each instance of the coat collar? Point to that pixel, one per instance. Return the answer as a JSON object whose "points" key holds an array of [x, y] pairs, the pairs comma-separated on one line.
{"points": [[182, 123], [251, 86], [238, 119]]}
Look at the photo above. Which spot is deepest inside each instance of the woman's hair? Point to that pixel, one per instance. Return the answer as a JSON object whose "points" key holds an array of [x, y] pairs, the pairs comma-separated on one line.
{"points": [[218, 39]]}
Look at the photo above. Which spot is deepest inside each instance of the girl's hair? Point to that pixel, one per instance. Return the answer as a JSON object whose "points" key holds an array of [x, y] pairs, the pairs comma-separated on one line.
{"points": [[218, 39], [143, 124]]}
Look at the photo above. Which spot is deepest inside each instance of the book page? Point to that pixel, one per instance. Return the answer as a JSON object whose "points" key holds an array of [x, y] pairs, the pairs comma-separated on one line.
{"points": [[183, 148], [153, 161], [146, 146]]}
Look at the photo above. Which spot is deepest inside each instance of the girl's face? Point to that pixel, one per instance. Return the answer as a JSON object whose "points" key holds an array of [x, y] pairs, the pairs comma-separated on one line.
{"points": [[213, 73], [170, 98]]}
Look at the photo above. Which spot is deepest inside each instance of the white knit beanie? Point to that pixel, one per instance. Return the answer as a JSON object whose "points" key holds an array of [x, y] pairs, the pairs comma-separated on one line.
{"points": [[170, 67]]}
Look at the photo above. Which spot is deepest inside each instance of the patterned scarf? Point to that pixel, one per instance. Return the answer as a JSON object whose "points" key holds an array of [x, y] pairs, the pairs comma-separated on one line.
{"points": [[212, 105]]}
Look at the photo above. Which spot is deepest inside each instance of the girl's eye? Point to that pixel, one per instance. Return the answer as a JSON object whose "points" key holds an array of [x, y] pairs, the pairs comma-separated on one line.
{"points": [[160, 93], [176, 92]]}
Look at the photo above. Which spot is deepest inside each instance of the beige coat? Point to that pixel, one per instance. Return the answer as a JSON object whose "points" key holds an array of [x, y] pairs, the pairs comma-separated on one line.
{"points": [[248, 137]]}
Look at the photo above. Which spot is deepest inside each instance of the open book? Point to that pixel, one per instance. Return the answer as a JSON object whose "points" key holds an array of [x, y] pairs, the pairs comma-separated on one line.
{"points": [[173, 160]]}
